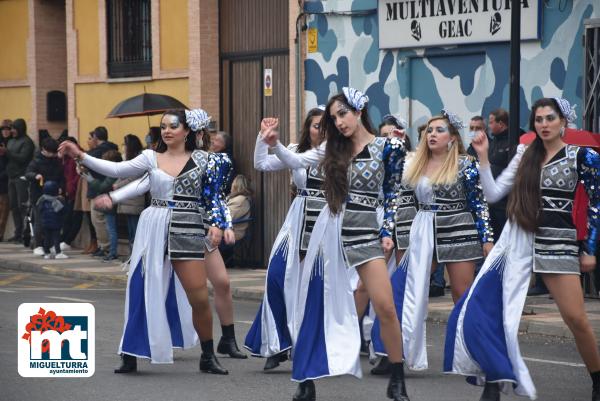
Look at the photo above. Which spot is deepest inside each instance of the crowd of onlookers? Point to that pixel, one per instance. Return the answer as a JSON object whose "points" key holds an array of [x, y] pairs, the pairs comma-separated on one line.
{"points": [[50, 197]]}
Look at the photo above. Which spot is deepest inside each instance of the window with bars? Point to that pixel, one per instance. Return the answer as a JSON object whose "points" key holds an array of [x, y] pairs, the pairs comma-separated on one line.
{"points": [[129, 38]]}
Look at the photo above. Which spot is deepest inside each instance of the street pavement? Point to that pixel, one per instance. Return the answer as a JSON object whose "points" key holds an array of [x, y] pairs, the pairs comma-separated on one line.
{"points": [[540, 315], [553, 361]]}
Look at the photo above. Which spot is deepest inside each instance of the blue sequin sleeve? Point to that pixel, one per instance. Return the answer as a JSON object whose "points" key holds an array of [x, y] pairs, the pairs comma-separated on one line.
{"points": [[217, 171], [588, 166], [476, 201], [393, 160]]}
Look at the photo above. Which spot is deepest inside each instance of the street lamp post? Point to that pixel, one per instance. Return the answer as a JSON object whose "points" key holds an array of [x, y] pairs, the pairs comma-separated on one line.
{"points": [[515, 74]]}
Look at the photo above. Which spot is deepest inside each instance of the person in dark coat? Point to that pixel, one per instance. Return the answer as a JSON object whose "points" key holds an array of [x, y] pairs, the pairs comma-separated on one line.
{"points": [[51, 209], [45, 166], [101, 145], [4, 203], [19, 152]]}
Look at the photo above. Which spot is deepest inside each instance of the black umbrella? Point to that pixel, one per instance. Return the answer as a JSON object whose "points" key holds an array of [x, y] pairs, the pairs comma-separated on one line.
{"points": [[146, 104]]}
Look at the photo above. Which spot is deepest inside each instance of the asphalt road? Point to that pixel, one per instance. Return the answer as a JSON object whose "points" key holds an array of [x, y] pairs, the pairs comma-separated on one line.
{"points": [[555, 364]]}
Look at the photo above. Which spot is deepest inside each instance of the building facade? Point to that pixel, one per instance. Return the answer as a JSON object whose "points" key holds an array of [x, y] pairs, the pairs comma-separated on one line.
{"points": [[466, 77]]}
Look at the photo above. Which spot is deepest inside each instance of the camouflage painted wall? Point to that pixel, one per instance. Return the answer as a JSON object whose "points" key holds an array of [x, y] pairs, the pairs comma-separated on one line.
{"points": [[466, 79]]}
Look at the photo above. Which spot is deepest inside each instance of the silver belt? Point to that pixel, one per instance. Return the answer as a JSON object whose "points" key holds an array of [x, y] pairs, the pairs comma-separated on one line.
{"points": [[312, 193], [175, 204], [436, 207], [364, 200]]}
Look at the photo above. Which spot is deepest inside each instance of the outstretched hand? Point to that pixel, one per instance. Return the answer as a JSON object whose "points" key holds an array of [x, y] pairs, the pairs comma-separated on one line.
{"points": [[103, 202], [268, 128], [587, 263], [387, 243], [70, 149], [481, 145]]}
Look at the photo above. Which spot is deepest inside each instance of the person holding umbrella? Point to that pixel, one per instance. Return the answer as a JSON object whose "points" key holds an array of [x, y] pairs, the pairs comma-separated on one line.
{"points": [[167, 302]]}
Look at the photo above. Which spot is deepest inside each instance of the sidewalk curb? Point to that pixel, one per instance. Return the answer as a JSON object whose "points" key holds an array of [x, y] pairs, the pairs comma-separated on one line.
{"points": [[435, 315]]}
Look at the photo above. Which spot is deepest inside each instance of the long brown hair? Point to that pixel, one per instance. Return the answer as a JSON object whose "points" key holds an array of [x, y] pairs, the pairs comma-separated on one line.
{"points": [[338, 155], [304, 143], [524, 202]]}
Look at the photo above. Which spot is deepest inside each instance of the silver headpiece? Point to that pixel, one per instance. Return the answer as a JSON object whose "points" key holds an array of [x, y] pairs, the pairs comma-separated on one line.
{"points": [[355, 98], [321, 107], [197, 119], [566, 109], [454, 120], [397, 119]]}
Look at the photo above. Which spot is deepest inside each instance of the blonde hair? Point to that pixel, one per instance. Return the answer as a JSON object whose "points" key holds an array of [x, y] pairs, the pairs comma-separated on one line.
{"points": [[447, 173], [240, 186]]}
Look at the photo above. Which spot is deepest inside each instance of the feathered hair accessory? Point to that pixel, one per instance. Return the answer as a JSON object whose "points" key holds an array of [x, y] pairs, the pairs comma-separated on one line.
{"points": [[197, 119], [566, 109], [355, 98], [454, 120]]}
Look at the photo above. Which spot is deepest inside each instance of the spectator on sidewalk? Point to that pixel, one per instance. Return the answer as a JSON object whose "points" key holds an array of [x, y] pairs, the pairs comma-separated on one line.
{"points": [[73, 218], [476, 125], [50, 209], [104, 186], [239, 202], [152, 138], [99, 145], [132, 207], [19, 152], [499, 156], [45, 166], [4, 203]]}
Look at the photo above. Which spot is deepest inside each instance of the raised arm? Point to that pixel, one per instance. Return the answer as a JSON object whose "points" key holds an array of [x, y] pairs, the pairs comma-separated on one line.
{"points": [[263, 161], [495, 190], [393, 159], [588, 166], [476, 202], [130, 168], [131, 190], [295, 160]]}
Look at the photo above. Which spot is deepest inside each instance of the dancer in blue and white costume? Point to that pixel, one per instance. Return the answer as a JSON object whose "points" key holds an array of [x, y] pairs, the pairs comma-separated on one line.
{"points": [[482, 333], [357, 166], [405, 212], [452, 226], [272, 333], [166, 301]]}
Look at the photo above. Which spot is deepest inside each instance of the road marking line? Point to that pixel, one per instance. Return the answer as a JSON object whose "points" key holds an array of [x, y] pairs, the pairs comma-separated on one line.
{"points": [[63, 289], [2, 290], [572, 364], [244, 322], [70, 299], [84, 285], [17, 277]]}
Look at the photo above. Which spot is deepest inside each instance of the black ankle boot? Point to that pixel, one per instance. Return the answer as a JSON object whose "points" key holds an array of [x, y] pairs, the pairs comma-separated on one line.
{"points": [[128, 364], [210, 364], [396, 387], [274, 360], [491, 392], [228, 346], [595, 386], [382, 368], [305, 391], [208, 360]]}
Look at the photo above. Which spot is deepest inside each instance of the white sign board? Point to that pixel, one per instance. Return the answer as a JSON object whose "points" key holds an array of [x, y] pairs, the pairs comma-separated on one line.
{"points": [[423, 23]]}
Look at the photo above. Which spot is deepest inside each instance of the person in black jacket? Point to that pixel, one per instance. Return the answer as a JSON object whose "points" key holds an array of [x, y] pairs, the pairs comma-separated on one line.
{"points": [[499, 156], [45, 166], [50, 209], [4, 203], [99, 138], [19, 152]]}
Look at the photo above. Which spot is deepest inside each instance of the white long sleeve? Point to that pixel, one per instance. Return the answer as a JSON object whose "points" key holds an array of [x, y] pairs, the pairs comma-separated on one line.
{"points": [[495, 190], [311, 157], [263, 161], [130, 168], [131, 190]]}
